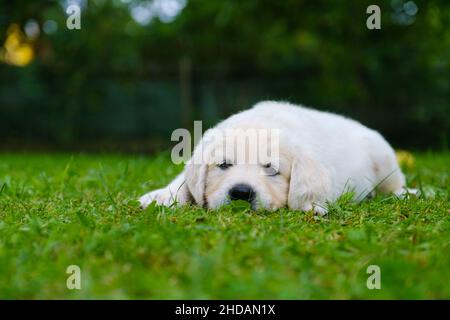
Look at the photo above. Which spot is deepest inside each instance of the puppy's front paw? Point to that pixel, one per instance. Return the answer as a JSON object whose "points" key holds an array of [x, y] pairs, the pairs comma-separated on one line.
{"points": [[407, 192], [162, 197], [318, 209]]}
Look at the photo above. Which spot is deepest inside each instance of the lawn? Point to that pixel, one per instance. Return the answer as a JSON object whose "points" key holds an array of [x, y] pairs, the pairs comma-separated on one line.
{"points": [[61, 210]]}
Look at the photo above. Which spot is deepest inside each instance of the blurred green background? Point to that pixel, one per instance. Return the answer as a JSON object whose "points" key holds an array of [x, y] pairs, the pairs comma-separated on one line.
{"points": [[136, 70]]}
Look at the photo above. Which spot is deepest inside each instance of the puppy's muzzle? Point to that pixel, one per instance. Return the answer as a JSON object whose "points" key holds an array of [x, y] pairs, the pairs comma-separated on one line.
{"points": [[242, 192]]}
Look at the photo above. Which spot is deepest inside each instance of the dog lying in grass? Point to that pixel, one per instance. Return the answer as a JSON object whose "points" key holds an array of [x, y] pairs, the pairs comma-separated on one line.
{"points": [[310, 158]]}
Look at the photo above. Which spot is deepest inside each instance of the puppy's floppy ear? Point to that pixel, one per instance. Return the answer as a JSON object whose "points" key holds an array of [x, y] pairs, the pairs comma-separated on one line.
{"points": [[309, 184], [197, 169], [195, 175]]}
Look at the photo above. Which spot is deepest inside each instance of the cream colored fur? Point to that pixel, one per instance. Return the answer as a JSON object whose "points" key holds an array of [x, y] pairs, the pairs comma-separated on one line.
{"points": [[321, 156]]}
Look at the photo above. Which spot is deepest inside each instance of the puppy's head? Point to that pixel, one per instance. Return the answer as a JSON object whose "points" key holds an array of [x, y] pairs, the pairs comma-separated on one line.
{"points": [[233, 165]]}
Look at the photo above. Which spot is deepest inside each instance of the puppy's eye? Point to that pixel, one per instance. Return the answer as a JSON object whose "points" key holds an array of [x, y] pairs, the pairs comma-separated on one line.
{"points": [[224, 165], [269, 170]]}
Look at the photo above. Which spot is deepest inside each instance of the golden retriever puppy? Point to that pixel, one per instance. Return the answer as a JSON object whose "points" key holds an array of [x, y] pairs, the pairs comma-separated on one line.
{"points": [[281, 155]]}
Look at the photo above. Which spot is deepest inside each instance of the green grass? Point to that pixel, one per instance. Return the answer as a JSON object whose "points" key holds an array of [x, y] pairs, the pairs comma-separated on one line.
{"points": [[61, 210]]}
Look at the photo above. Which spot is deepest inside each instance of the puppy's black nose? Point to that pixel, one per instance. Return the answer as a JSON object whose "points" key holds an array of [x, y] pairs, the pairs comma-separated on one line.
{"points": [[242, 192]]}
